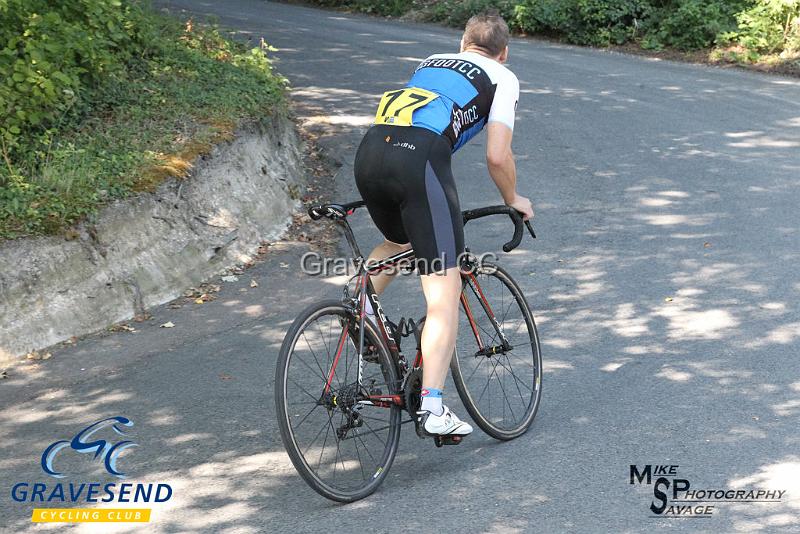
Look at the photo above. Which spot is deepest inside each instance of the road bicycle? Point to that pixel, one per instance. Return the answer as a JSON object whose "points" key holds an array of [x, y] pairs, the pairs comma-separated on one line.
{"points": [[343, 382]]}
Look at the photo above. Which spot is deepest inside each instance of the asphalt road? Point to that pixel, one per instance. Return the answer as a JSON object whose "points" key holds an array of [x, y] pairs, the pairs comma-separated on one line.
{"points": [[664, 283]]}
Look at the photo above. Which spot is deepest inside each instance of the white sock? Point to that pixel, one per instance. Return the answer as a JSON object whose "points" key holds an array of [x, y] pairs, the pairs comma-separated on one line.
{"points": [[368, 308], [432, 401]]}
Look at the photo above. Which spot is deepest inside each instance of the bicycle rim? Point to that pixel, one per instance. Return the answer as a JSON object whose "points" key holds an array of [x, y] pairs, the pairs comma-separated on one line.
{"points": [[342, 456], [501, 390]]}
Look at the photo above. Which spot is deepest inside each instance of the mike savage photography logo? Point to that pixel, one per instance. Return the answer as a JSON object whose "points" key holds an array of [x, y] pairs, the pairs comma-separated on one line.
{"points": [[96, 442], [675, 497]]}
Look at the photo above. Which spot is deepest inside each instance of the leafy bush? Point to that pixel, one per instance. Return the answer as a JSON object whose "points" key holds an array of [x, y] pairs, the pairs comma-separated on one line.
{"points": [[138, 97], [543, 16], [457, 12], [757, 26], [393, 8], [52, 53], [607, 22], [690, 24], [768, 27]]}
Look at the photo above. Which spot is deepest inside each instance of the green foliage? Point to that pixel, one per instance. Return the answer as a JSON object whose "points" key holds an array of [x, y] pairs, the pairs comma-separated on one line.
{"points": [[132, 108], [457, 12], [593, 22], [52, 52], [756, 26], [690, 24], [393, 8], [596, 22], [768, 27]]}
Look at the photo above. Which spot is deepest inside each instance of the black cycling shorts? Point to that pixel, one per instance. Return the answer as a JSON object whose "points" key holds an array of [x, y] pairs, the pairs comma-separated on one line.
{"points": [[403, 174]]}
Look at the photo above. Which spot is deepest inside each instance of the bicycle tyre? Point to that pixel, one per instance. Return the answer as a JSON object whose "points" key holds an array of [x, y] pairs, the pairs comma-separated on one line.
{"points": [[334, 308], [469, 395]]}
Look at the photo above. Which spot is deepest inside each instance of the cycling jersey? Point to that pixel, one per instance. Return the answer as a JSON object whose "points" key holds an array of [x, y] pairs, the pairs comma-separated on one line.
{"points": [[461, 93], [402, 167]]}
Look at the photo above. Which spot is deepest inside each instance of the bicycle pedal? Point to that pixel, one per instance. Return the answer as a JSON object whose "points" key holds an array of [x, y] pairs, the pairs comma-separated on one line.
{"points": [[441, 441]]}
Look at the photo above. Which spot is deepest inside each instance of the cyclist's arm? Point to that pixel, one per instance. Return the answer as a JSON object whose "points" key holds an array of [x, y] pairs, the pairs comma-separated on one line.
{"points": [[500, 161], [500, 130]]}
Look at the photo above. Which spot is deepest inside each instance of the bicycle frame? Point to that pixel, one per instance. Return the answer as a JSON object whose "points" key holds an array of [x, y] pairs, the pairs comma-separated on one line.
{"points": [[365, 290]]}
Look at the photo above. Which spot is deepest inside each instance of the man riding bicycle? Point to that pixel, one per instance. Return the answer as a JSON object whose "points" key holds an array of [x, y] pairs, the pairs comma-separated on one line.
{"points": [[402, 170]]}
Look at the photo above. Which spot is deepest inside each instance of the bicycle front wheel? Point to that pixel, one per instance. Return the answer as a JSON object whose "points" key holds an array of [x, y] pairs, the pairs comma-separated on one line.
{"points": [[340, 442], [497, 365]]}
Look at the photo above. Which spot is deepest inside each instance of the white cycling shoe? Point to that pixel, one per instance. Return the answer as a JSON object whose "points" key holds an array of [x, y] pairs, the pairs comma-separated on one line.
{"points": [[446, 424]]}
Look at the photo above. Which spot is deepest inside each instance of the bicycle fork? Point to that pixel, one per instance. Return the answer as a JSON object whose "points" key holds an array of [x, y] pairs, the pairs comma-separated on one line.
{"points": [[505, 346]]}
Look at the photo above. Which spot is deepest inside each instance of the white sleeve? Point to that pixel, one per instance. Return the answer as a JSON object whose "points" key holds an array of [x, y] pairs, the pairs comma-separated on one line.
{"points": [[506, 96]]}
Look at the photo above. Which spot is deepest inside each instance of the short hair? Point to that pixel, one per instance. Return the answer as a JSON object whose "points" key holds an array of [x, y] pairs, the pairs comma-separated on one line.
{"points": [[487, 31]]}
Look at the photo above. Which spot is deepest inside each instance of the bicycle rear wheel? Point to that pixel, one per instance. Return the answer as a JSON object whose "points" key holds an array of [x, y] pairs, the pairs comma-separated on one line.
{"points": [[499, 383], [341, 443]]}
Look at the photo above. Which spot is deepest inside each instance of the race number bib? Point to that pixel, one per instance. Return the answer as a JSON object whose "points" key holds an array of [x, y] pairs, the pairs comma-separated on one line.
{"points": [[398, 106]]}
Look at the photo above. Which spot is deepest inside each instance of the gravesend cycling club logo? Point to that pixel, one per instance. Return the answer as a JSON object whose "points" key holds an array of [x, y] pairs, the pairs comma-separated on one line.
{"points": [[106, 450], [675, 497], [102, 442]]}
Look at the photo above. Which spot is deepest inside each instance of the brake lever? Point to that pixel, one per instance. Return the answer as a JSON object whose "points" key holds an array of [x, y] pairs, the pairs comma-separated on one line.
{"points": [[530, 229]]}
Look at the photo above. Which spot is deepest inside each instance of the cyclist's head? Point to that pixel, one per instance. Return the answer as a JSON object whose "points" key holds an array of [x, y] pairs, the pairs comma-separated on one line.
{"points": [[487, 33]]}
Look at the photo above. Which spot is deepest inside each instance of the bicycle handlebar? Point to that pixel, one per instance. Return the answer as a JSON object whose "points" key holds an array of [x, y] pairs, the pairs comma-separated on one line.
{"points": [[340, 211], [515, 216]]}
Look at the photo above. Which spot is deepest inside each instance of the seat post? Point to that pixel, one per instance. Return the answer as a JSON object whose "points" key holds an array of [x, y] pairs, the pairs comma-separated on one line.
{"points": [[351, 240]]}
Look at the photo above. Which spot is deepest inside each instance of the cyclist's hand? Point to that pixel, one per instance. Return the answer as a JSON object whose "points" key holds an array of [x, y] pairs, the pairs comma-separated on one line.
{"points": [[522, 205]]}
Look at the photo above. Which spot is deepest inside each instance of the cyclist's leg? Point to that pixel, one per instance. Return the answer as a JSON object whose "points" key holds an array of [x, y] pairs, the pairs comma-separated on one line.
{"points": [[404, 176], [384, 250], [437, 252], [432, 218], [442, 290]]}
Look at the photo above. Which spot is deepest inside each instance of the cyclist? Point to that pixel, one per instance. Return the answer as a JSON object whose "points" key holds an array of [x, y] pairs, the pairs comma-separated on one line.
{"points": [[402, 170]]}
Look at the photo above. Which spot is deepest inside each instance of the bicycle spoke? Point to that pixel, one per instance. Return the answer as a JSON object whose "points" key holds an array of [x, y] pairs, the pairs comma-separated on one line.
{"points": [[306, 416], [483, 391], [488, 381], [322, 373], [524, 361], [513, 374], [375, 431], [338, 469], [505, 396], [322, 451], [492, 333], [360, 464], [357, 435], [338, 448], [480, 359], [505, 314], [370, 417], [304, 390], [315, 439]]}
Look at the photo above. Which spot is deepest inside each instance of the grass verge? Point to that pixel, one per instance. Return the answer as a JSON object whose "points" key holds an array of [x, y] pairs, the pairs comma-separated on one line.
{"points": [[185, 88]]}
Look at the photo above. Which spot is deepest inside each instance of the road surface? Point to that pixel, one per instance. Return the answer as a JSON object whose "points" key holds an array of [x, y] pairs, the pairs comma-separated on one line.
{"points": [[664, 283]]}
